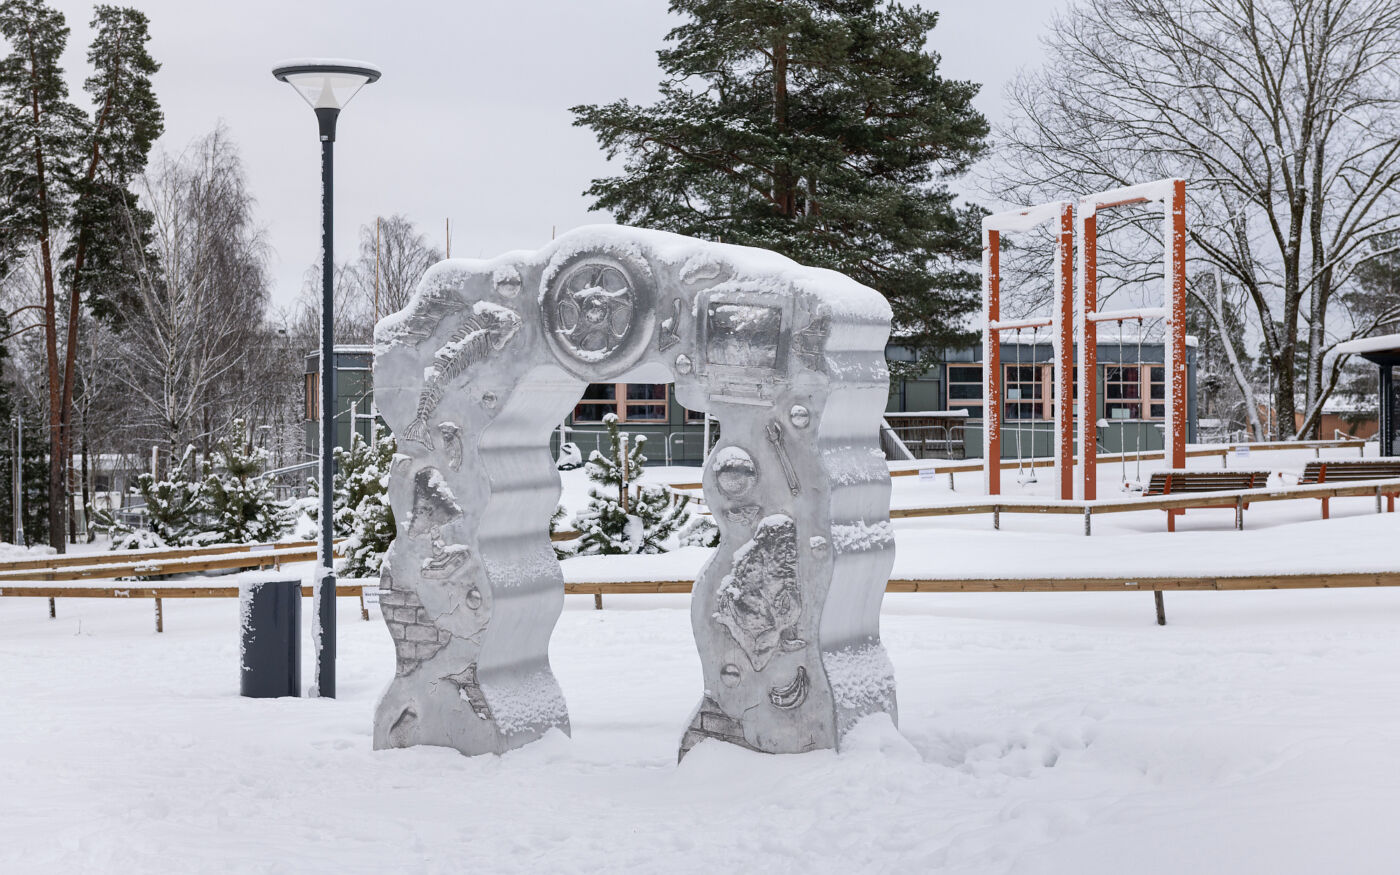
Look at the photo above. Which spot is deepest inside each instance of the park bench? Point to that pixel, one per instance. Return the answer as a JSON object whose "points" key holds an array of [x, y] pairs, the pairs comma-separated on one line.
{"points": [[1339, 471], [1177, 481]]}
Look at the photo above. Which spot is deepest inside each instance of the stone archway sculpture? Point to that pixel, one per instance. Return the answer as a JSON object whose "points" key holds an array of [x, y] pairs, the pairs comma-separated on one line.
{"points": [[489, 356]]}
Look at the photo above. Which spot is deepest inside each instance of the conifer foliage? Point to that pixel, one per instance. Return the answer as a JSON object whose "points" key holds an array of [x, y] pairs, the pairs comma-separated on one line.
{"points": [[65, 178], [623, 517], [820, 129], [236, 502], [362, 513], [172, 511]]}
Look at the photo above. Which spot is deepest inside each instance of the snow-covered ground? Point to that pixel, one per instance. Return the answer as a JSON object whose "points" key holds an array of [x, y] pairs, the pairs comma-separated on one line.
{"points": [[1039, 733]]}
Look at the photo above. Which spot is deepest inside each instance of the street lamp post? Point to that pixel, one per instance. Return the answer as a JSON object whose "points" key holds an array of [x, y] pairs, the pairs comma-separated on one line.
{"points": [[327, 85]]}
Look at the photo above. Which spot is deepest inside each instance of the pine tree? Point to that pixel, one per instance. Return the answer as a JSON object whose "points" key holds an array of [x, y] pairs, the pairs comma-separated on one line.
{"points": [[619, 519], [820, 129], [34, 468], [61, 170], [235, 501], [362, 512], [172, 505]]}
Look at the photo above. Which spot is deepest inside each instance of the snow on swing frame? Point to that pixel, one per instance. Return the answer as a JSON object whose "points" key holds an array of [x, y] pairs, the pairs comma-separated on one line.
{"points": [[1171, 193], [1061, 324]]}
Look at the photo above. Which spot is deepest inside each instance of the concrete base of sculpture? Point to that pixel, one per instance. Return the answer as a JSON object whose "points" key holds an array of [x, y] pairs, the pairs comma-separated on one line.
{"points": [[490, 356]]}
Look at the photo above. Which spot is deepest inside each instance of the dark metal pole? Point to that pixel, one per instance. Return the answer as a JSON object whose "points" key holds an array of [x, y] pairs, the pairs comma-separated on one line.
{"points": [[325, 606], [17, 481], [1387, 410]]}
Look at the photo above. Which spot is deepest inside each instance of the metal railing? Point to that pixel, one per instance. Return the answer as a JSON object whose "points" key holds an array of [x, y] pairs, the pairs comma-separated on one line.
{"points": [[686, 444], [930, 441]]}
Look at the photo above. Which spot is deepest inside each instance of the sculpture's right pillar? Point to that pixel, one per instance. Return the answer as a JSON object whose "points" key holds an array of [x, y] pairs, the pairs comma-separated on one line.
{"points": [[787, 614]]}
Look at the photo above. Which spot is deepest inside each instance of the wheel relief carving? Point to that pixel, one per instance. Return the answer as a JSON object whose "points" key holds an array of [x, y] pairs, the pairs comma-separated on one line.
{"points": [[592, 308]]}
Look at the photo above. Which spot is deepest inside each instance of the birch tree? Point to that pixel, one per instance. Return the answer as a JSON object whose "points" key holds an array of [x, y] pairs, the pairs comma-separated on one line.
{"points": [[1282, 114], [201, 296]]}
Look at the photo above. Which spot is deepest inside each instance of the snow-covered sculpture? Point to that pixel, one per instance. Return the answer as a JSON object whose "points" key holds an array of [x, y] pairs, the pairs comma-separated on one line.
{"points": [[490, 356]]}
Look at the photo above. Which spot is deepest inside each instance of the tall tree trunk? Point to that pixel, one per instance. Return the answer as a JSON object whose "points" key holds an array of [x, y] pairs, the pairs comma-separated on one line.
{"points": [[1317, 298], [87, 484], [1251, 405], [56, 455], [784, 191], [1286, 392]]}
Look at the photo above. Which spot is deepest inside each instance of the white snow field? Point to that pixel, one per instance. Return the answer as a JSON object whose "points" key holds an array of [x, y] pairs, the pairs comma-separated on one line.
{"points": [[1258, 732]]}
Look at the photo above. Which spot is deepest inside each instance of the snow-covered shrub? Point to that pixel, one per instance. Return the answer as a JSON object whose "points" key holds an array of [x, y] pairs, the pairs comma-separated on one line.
{"points": [[235, 500], [362, 513], [126, 538], [555, 520], [172, 512], [621, 519]]}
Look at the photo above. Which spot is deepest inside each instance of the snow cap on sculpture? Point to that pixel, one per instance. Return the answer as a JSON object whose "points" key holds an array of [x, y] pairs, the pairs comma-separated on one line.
{"points": [[490, 356]]}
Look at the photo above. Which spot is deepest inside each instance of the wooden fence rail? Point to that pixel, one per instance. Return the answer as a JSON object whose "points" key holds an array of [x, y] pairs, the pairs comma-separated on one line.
{"points": [[1156, 584], [159, 554], [1088, 509], [1223, 452], [163, 567]]}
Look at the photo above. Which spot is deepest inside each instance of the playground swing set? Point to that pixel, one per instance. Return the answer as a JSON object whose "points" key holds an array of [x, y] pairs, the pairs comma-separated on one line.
{"points": [[1073, 329]]}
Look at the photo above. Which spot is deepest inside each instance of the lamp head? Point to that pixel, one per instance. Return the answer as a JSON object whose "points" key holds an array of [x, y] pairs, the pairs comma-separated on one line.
{"points": [[326, 84]]}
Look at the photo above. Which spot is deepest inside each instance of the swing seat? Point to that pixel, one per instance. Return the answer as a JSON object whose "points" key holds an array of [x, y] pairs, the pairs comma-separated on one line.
{"points": [[1175, 482]]}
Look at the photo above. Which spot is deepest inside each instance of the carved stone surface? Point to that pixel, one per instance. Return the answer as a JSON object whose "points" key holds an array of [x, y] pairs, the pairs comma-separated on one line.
{"points": [[490, 355]]}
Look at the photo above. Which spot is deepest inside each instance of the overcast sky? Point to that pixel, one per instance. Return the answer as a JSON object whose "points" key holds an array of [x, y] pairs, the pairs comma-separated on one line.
{"points": [[471, 117]]}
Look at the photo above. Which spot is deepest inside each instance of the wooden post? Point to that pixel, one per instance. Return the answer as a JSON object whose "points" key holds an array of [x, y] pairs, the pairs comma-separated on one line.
{"points": [[53, 610], [1088, 515], [1161, 607], [1064, 364], [597, 601], [991, 361], [1088, 355], [1176, 326], [364, 611], [1239, 514], [160, 617], [996, 517]]}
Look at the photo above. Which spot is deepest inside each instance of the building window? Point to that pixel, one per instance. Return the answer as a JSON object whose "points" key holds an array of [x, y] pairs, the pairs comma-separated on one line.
{"points": [[646, 402], [1126, 387], [630, 402], [694, 415], [1122, 392], [313, 400], [1027, 392], [1157, 391], [965, 389], [599, 399]]}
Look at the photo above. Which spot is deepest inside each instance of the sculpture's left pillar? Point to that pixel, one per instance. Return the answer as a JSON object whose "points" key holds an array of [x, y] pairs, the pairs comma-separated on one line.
{"points": [[470, 589]]}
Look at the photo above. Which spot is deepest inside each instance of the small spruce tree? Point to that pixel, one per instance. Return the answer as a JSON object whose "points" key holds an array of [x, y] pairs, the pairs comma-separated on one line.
{"points": [[172, 507], [619, 519], [362, 513], [236, 501]]}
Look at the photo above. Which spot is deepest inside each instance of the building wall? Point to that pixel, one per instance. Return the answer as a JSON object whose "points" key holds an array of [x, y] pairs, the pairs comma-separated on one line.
{"points": [[1035, 437], [675, 440], [679, 439], [354, 386]]}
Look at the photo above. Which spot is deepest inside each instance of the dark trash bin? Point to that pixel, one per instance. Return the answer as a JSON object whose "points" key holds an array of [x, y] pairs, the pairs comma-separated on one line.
{"points": [[271, 646]]}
